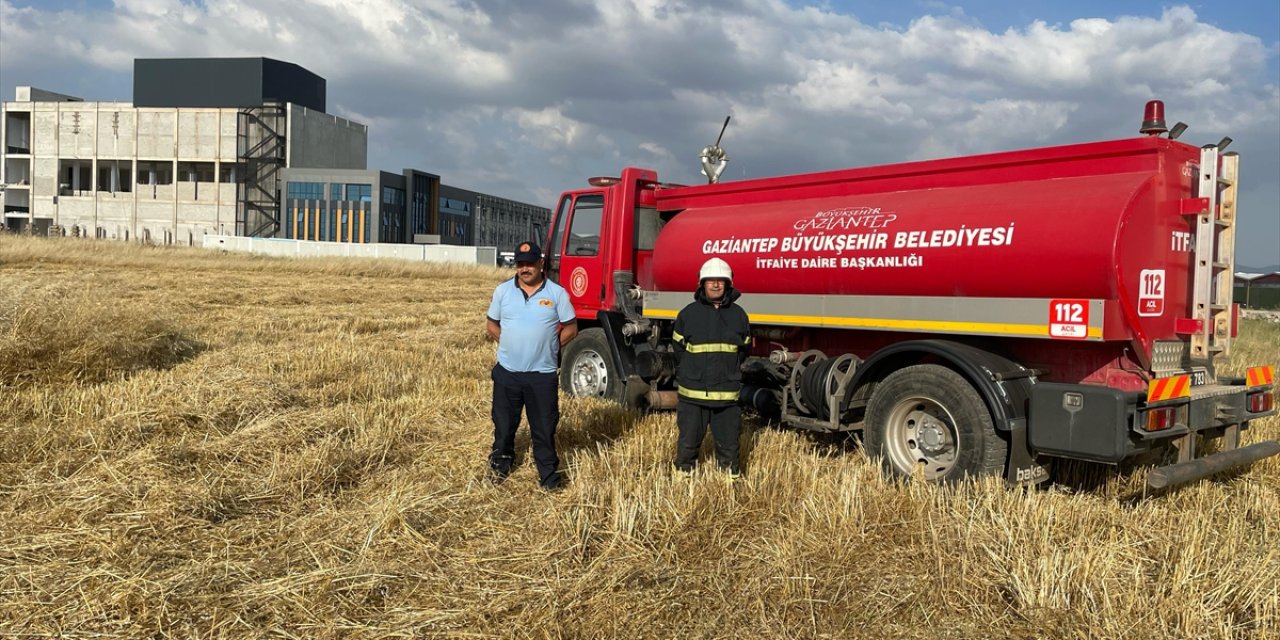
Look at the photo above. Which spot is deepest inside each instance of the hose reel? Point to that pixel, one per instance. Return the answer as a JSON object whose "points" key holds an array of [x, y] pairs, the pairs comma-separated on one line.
{"points": [[815, 379]]}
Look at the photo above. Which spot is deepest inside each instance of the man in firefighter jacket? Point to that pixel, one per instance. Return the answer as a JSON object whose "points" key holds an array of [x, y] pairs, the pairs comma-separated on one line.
{"points": [[712, 339]]}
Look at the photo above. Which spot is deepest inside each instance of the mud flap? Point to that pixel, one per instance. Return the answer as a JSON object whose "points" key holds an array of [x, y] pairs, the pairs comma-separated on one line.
{"points": [[1022, 468], [624, 358]]}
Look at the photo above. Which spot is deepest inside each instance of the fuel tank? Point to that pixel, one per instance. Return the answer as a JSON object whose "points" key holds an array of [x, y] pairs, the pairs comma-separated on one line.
{"points": [[1099, 221]]}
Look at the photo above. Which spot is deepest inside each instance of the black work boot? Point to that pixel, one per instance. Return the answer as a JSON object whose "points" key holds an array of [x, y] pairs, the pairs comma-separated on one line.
{"points": [[499, 468], [554, 483]]}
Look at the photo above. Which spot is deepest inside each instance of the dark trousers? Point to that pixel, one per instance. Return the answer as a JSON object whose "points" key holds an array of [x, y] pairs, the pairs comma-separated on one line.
{"points": [[693, 420], [536, 394]]}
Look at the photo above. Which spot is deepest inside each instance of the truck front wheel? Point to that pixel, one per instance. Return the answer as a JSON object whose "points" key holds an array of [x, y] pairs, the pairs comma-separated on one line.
{"points": [[586, 368], [928, 416]]}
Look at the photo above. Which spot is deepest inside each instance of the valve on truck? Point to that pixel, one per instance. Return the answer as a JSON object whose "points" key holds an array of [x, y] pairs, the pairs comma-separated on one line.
{"points": [[714, 159]]}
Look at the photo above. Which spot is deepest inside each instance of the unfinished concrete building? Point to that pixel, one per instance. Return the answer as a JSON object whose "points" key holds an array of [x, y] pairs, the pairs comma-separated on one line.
{"points": [[201, 149]]}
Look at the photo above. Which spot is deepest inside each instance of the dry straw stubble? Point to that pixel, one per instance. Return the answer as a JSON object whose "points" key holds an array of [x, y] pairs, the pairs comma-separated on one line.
{"points": [[195, 444]]}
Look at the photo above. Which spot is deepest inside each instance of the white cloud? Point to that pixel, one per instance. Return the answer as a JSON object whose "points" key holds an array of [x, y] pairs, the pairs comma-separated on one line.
{"points": [[549, 129]]}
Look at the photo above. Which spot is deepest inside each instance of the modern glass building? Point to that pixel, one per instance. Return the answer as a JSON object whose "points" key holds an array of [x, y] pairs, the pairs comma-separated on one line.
{"points": [[457, 220], [483, 220], [359, 207]]}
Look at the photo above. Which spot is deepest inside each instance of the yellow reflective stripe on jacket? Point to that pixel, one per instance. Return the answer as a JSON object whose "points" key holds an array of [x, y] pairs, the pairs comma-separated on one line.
{"points": [[675, 336], [706, 395], [711, 347]]}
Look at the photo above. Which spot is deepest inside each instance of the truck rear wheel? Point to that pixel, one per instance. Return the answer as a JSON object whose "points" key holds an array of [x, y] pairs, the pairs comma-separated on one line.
{"points": [[929, 416], [587, 369]]}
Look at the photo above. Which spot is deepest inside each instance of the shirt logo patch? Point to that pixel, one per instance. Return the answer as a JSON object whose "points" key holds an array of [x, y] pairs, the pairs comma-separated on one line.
{"points": [[546, 303]]}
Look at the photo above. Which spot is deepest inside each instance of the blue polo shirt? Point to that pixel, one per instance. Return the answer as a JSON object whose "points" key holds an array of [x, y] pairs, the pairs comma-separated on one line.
{"points": [[530, 340]]}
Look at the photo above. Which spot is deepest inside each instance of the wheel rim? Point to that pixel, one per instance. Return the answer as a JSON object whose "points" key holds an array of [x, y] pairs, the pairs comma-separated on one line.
{"points": [[921, 432], [590, 376]]}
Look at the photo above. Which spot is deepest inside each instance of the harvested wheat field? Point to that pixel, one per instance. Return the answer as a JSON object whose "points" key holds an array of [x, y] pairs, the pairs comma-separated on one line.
{"points": [[195, 444]]}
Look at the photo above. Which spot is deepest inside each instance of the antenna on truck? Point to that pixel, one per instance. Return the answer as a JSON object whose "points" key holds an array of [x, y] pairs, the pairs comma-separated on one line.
{"points": [[714, 159]]}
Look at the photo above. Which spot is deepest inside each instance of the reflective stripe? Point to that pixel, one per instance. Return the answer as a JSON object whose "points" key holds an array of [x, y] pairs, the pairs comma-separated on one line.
{"points": [[1019, 317], [712, 347], [1169, 388], [746, 340], [1260, 376], [675, 336], [706, 395]]}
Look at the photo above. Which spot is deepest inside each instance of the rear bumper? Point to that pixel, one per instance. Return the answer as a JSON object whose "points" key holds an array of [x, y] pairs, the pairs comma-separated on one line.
{"points": [[1101, 424]]}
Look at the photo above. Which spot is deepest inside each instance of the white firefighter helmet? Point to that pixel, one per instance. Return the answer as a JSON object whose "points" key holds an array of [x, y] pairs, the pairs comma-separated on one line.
{"points": [[715, 268]]}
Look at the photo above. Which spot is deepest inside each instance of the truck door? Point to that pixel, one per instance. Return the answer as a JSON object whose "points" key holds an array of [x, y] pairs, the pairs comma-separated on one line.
{"points": [[576, 255]]}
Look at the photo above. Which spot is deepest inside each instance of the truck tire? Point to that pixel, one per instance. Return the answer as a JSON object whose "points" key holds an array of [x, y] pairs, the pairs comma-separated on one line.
{"points": [[587, 369], [931, 417]]}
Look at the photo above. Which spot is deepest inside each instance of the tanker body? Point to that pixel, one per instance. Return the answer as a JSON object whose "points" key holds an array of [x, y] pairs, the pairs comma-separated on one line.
{"points": [[971, 316]]}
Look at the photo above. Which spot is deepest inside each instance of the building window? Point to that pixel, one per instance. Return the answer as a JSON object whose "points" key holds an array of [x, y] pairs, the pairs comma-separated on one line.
{"points": [[229, 172], [155, 172], [115, 176], [360, 192], [195, 172], [305, 190]]}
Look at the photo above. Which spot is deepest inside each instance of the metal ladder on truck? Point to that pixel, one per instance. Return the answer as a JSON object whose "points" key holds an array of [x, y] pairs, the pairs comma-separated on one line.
{"points": [[1214, 208], [1215, 252]]}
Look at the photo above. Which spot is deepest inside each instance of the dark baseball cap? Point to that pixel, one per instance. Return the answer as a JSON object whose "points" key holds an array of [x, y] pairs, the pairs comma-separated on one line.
{"points": [[528, 252]]}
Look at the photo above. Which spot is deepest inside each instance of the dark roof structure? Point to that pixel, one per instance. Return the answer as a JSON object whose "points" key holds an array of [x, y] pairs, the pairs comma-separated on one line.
{"points": [[224, 82]]}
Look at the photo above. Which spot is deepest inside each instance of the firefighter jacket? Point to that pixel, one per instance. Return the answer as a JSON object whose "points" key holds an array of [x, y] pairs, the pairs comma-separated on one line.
{"points": [[711, 344]]}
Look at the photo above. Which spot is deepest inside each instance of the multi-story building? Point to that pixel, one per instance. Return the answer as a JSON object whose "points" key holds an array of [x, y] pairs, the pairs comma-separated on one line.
{"points": [[227, 146], [468, 217], [201, 149], [360, 206]]}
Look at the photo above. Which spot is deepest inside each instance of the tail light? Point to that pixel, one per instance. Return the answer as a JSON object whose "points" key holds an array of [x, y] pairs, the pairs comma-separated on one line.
{"points": [[1261, 402], [1161, 419]]}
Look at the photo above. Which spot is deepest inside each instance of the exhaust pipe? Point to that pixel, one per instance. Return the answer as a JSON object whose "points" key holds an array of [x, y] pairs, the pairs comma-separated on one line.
{"points": [[761, 399], [1190, 470]]}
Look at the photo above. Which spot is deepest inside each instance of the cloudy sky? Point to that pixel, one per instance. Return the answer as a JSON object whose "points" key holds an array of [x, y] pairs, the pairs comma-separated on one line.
{"points": [[526, 98]]}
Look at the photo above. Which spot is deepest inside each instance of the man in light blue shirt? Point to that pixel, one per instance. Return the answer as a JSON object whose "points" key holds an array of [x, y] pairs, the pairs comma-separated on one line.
{"points": [[531, 318]]}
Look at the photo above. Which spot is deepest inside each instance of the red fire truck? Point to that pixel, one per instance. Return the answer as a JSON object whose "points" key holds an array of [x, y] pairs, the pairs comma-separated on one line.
{"points": [[970, 316]]}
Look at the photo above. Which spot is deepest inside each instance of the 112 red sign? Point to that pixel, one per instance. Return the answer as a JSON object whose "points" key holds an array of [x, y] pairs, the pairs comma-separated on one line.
{"points": [[1069, 319], [1151, 292]]}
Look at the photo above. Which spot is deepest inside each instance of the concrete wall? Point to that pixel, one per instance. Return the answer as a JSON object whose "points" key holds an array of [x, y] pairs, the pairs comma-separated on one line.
{"points": [[303, 248], [117, 131], [319, 140]]}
